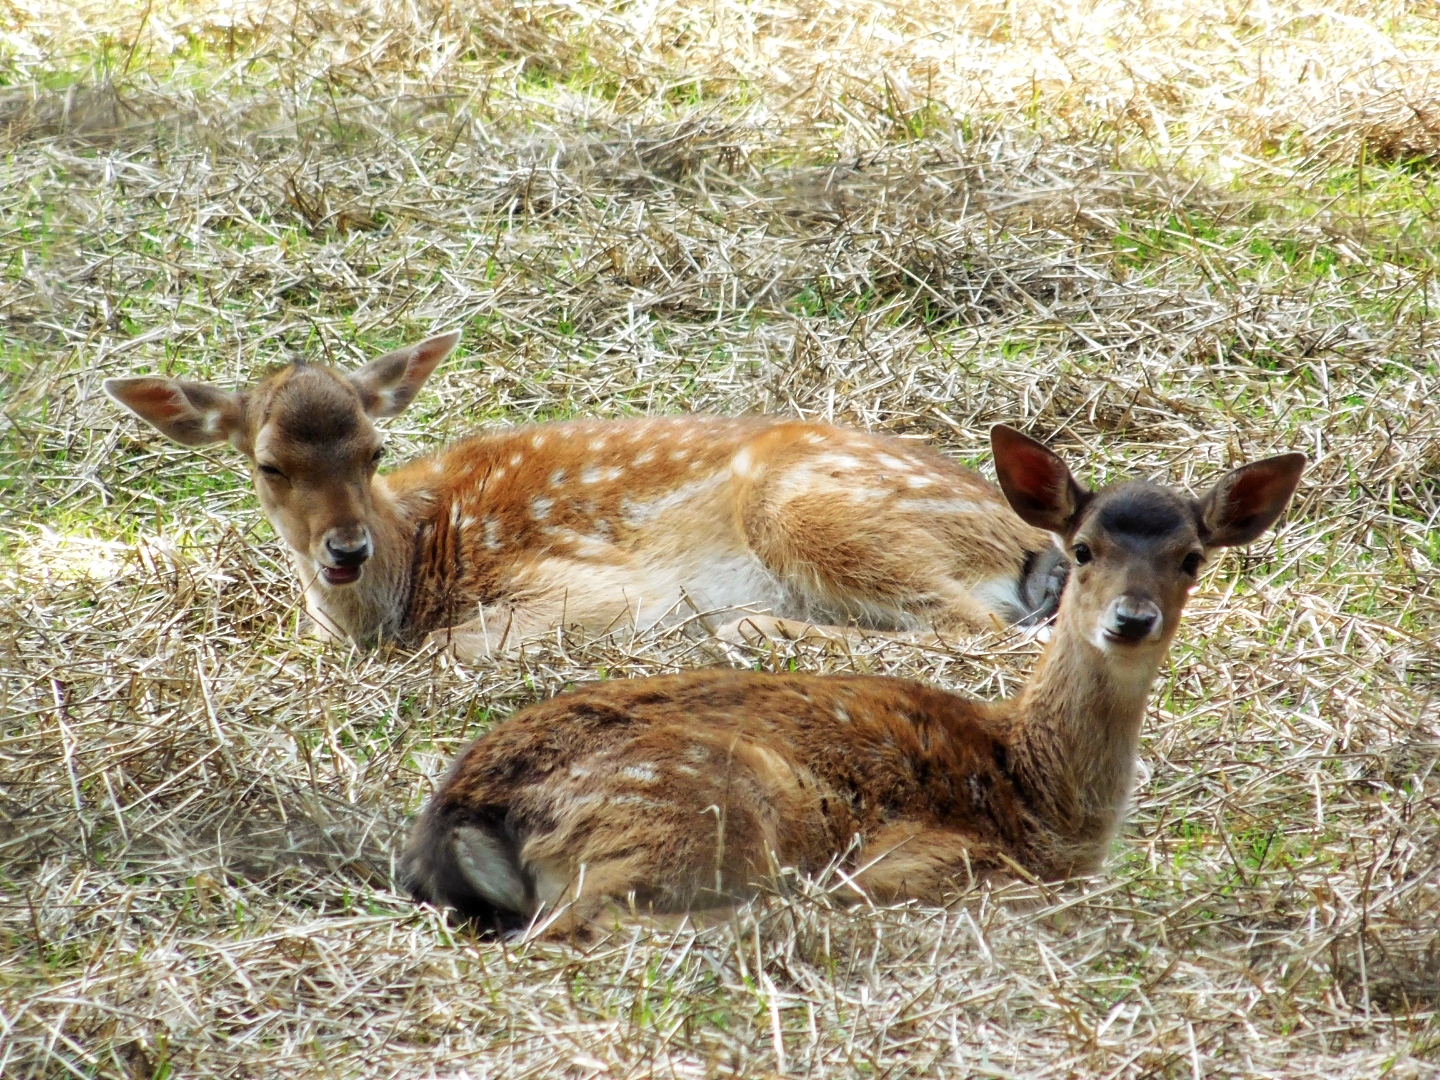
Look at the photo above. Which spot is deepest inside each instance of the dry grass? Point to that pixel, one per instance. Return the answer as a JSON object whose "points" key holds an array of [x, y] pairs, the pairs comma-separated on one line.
{"points": [[1167, 235]]}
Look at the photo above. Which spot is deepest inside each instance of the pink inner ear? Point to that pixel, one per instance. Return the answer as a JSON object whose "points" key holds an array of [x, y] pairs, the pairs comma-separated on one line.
{"points": [[1252, 486], [161, 402], [1035, 471]]}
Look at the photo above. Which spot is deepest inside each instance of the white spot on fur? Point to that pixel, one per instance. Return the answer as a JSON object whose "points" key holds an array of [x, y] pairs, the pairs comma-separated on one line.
{"points": [[581, 545], [644, 456], [644, 773], [679, 455], [841, 714], [891, 462], [454, 515], [537, 441], [918, 481], [557, 478], [498, 474], [467, 521], [635, 514], [597, 444], [593, 474], [540, 508], [814, 439], [635, 800], [492, 534]]}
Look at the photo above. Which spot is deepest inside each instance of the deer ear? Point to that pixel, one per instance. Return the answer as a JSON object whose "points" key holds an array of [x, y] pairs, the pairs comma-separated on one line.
{"points": [[389, 384], [1248, 500], [192, 414], [1036, 482]]}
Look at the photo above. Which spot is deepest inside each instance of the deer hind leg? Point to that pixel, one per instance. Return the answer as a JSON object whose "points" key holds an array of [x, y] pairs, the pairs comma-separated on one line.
{"points": [[672, 822], [889, 567], [911, 862], [653, 861]]}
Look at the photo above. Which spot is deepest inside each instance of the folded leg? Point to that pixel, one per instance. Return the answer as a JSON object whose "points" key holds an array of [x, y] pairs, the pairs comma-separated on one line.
{"points": [[910, 862], [890, 544]]}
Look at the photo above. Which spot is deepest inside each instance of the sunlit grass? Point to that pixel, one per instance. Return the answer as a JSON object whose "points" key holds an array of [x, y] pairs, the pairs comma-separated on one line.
{"points": [[1168, 237]]}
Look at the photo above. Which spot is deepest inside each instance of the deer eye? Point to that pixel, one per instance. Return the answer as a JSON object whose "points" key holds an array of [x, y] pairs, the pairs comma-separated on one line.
{"points": [[1192, 562], [375, 457], [272, 472], [1082, 553]]}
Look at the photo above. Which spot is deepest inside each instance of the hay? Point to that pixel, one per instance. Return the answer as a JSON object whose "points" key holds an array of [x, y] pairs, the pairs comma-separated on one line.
{"points": [[1168, 237]]}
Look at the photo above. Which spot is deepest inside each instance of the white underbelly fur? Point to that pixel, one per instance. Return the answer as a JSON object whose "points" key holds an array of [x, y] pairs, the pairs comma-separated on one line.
{"points": [[731, 581], [1000, 594]]}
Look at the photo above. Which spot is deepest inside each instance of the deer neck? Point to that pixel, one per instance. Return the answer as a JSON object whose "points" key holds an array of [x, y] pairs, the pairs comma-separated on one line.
{"points": [[376, 606], [1076, 732]]}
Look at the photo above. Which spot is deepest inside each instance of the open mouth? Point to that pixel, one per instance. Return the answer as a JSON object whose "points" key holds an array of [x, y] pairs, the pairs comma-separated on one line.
{"points": [[340, 575]]}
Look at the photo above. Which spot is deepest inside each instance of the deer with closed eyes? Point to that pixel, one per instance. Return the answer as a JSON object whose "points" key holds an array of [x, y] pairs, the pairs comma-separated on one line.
{"points": [[766, 526], [688, 791]]}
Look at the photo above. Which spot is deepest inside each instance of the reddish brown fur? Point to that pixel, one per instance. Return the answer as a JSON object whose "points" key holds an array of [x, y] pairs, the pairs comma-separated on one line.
{"points": [[688, 790], [608, 524]]}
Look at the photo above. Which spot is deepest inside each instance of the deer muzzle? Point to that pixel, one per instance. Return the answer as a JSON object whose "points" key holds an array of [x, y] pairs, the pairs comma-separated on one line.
{"points": [[345, 552], [1131, 620]]}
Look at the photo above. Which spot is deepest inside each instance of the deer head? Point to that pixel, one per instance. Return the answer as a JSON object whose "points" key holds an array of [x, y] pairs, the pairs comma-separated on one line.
{"points": [[309, 433], [1137, 547]]}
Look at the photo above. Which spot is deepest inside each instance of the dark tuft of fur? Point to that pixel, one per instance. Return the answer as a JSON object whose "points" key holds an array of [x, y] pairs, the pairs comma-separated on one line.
{"points": [[1042, 583], [1142, 510], [322, 409], [431, 873]]}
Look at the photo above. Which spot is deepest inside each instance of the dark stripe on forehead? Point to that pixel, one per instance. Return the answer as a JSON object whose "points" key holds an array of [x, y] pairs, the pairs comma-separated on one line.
{"points": [[314, 406], [1141, 511]]}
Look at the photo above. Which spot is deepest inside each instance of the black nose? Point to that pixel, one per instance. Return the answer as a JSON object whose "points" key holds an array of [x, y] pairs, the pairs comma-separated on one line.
{"points": [[1134, 620], [348, 552]]}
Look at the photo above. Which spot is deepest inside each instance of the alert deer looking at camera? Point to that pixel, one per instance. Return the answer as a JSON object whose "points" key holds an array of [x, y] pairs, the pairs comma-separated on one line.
{"points": [[605, 525], [686, 791]]}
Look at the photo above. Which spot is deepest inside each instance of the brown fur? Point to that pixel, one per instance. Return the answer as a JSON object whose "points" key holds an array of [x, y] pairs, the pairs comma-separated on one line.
{"points": [[687, 791], [608, 524]]}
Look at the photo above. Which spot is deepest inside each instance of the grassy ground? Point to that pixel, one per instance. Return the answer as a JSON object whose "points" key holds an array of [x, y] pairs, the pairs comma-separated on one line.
{"points": [[1168, 236]]}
